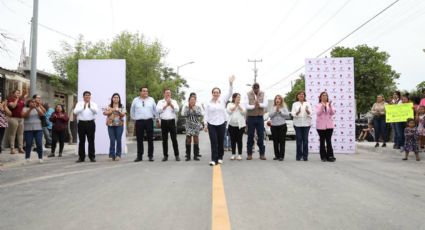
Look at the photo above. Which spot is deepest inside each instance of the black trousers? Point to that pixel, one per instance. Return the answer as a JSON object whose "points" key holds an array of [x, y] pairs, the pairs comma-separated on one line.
{"points": [[143, 126], [169, 126], [216, 133], [236, 138], [58, 136], [86, 129], [279, 135], [326, 136]]}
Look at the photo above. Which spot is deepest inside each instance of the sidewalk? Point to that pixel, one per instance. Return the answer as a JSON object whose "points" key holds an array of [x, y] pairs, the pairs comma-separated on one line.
{"points": [[369, 148], [7, 159]]}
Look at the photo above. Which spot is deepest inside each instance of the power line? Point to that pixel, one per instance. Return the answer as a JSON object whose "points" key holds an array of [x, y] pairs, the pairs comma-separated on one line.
{"points": [[339, 41], [57, 31]]}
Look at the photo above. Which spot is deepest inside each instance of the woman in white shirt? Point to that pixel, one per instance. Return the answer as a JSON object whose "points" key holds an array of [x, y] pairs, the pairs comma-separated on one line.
{"points": [[215, 118], [301, 112], [237, 124]]}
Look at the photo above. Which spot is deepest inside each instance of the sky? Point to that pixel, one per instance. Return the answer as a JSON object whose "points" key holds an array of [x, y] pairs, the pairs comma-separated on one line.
{"points": [[221, 36]]}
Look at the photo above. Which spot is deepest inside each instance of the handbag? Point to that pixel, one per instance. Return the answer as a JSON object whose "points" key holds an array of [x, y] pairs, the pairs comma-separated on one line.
{"points": [[43, 121]]}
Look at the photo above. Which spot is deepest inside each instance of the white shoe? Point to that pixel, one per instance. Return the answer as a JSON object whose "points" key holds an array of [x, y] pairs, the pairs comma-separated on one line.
{"points": [[220, 161], [27, 160], [239, 157], [212, 163], [40, 161], [232, 157]]}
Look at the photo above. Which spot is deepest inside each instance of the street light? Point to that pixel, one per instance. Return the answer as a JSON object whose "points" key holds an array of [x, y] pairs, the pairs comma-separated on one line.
{"points": [[178, 67]]}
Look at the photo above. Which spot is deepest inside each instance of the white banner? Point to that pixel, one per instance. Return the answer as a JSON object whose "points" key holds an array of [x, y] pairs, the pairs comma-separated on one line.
{"points": [[102, 78], [336, 77]]}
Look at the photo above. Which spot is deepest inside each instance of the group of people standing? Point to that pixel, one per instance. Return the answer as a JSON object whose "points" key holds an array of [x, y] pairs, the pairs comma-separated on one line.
{"points": [[218, 114], [27, 120], [409, 136]]}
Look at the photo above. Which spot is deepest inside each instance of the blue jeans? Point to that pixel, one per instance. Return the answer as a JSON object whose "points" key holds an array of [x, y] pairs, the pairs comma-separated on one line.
{"points": [[399, 127], [255, 123], [380, 127], [216, 133], [226, 140], [115, 134], [301, 134], [29, 136]]}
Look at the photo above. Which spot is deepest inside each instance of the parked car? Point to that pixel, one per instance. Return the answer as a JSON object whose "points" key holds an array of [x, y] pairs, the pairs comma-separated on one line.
{"points": [[289, 123]]}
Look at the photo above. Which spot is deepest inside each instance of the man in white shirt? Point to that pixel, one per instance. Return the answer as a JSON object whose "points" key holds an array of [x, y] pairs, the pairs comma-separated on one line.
{"points": [[167, 109], [86, 111]]}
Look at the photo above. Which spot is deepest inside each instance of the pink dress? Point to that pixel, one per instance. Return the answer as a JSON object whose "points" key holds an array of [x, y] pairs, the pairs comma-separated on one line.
{"points": [[421, 125]]}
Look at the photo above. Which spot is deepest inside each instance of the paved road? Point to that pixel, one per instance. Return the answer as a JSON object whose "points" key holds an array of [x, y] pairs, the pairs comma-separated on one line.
{"points": [[369, 190]]}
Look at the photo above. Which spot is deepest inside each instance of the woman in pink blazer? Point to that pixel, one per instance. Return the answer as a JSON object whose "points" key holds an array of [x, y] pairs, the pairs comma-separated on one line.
{"points": [[325, 126]]}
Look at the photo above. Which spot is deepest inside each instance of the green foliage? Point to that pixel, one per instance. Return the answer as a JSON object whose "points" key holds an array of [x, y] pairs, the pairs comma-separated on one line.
{"points": [[372, 74], [420, 86], [143, 64], [298, 86]]}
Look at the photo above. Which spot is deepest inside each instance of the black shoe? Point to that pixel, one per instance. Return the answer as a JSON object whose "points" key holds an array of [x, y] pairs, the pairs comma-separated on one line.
{"points": [[51, 155], [187, 158], [165, 159], [138, 159], [331, 159], [275, 158], [384, 145], [150, 159], [177, 158], [281, 159], [79, 161], [298, 159], [92, 160], [376, 145], [196, 158], [305, 159], [323, 160]]}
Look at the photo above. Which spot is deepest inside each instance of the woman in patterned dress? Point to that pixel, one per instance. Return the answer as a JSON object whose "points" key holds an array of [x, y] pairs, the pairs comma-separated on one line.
{"points": [[193, 114]]}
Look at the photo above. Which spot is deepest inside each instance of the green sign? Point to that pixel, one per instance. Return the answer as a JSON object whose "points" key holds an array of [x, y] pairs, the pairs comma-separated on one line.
{"points": [[398, 112]]}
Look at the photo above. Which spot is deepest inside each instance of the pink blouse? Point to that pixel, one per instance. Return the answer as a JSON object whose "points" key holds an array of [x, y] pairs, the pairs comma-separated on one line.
{"points": [[324, 117]]}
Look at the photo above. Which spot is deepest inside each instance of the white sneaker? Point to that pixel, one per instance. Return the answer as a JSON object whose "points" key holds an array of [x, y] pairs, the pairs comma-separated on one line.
{"points": [[232, 157], [27, 160], [40, 161], [220, 161], [239, 157], [212, 163]]}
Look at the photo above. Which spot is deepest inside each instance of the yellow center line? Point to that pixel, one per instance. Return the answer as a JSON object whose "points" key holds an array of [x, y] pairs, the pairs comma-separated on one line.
{"points": [[220, 215]]}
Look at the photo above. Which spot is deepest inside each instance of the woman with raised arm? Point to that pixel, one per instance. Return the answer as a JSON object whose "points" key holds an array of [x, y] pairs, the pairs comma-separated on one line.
{"points": [[215, 119]]}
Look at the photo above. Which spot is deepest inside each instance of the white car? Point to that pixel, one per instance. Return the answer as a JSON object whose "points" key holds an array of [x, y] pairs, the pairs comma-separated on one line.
{"points": [[289, 124]]}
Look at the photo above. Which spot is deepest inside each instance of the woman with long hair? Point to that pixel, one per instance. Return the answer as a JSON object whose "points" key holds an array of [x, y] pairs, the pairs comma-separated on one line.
{"points": [[59, 120], [278, 127], [115, 114], [193, 114], [325, 126], [301, 113], [237, 124]]}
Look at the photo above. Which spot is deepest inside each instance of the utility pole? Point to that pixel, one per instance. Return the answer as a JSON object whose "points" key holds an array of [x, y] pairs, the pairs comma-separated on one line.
{"points": [[34, 30], [255, 68]]}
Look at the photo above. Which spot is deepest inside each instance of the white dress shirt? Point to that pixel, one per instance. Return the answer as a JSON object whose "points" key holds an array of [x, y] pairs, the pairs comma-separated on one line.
{"points": [[215, 111], [303, 119], [168, 113], [143, 108], [85, 114]]}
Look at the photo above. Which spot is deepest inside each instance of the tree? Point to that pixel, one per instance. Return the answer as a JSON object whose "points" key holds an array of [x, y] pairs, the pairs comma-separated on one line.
{"points": [[372, 74], [297, 87], [144, 66]]}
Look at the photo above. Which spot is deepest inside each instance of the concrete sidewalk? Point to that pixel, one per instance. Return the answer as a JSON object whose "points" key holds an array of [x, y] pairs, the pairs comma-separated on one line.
{"points": [[7, 159]]}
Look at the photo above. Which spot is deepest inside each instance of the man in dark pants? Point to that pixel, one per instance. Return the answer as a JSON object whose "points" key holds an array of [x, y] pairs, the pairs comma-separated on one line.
{"points": [[143, 111], [167, 109], [86, 111], [257, 103]]}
